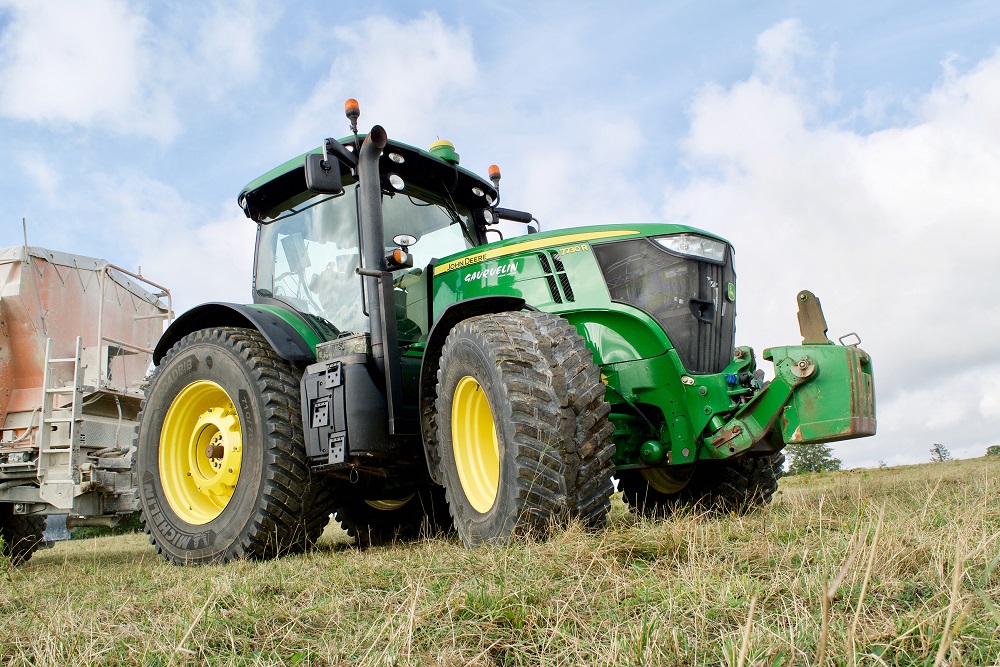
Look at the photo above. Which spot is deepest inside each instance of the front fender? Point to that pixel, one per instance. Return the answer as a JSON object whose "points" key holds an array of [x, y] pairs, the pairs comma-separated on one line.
{"points": [[291, 338]]}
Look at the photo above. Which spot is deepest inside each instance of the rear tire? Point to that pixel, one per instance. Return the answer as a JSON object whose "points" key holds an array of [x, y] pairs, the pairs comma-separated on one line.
{"points": [[22, 534], [739, 486], [255, 496], [423, 513], [522, 428]]}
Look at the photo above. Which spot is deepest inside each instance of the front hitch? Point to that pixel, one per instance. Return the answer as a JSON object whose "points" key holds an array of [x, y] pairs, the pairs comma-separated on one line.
{"points": [[821, 392]]}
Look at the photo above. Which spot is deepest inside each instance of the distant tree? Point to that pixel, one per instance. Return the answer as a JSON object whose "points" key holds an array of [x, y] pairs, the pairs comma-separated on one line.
{"points": [[993, 450], [883, 465], [811, 458], [940, 453]]}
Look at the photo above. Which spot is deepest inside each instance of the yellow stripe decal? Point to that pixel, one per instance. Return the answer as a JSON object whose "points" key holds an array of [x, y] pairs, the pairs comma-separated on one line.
{"points": [[527, 246]]}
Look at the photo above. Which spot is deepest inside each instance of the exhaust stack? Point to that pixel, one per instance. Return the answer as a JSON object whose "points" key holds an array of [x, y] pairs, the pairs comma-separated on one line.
{"points": [[377, 280], [372, 234]]}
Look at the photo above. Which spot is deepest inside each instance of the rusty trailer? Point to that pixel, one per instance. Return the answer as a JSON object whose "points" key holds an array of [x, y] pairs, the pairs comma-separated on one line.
{"points": [[76, 342]]}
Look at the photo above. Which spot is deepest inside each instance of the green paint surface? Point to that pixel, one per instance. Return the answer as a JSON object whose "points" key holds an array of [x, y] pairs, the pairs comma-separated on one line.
{"points": [[296, 321]]}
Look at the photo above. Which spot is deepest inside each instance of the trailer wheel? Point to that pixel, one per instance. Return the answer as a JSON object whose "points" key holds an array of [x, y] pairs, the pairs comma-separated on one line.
{"points": [[221, 461], [739, 485], [522, 427], [373, 522], [21, 534]]}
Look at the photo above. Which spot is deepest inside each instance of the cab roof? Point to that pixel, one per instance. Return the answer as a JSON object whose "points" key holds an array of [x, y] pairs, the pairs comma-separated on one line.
{"points": [[418, 167]]}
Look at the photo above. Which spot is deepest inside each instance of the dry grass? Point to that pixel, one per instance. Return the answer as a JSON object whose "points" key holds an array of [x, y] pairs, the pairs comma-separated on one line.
{"points": [[872, 567]]}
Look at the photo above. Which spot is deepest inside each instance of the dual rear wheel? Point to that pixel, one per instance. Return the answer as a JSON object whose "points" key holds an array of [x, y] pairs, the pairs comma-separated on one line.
{"points": [[21, 534]]}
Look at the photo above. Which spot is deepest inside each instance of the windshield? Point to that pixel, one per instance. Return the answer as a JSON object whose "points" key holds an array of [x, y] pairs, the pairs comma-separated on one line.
{"points": [[439, 229], [306, 257]]}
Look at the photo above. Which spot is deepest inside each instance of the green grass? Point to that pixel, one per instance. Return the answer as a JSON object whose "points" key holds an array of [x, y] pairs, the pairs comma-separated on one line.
{"points": [[869, 567]]}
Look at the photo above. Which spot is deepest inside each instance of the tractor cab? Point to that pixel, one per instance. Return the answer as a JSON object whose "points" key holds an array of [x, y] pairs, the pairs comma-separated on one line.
{"points": [[309, 245]]}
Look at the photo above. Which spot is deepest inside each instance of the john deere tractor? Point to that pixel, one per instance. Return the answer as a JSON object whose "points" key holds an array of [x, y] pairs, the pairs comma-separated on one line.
{"points": [[404, 370]]}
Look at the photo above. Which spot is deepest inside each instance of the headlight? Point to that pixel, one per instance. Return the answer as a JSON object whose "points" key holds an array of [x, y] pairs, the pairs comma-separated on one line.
{"points": [[693, 245]]}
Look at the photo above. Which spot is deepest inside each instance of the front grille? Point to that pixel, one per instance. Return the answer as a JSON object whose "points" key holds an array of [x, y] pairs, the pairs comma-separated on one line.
{"points": [[686, 296]]}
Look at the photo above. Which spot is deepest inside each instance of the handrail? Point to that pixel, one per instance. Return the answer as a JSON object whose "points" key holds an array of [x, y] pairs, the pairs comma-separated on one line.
{"points": [[105, 272]]}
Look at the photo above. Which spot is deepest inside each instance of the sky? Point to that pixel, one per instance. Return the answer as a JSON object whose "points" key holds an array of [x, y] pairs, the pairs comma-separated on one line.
{"points": [[850, 148]]}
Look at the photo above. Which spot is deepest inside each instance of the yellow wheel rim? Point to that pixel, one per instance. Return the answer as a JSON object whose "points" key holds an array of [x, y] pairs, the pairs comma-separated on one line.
{"points": [[668, 481], [477, 448], [201, 449], [389, 505]]}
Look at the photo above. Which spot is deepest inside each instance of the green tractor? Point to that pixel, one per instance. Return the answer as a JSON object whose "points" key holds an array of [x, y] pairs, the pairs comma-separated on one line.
{"points": [[402, 372]]}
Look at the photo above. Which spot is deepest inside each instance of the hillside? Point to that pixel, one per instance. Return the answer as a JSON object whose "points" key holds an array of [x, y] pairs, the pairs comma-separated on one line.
{"points": [[870, 567]]}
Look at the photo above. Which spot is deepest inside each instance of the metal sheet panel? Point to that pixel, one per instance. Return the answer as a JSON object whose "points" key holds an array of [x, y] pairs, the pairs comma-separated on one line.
{"points": [[59, 295]]}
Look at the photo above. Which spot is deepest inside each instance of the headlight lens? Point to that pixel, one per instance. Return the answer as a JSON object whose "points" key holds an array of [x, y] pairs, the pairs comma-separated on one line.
{"points": [[693, 245]]}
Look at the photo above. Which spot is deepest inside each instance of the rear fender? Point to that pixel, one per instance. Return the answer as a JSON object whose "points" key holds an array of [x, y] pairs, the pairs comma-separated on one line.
{"points": [[293, 342]]}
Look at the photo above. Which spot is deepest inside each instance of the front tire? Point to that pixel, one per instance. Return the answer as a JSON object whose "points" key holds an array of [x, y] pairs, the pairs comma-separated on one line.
{"points": [[739, 485], [522, 428], [221, 460]]}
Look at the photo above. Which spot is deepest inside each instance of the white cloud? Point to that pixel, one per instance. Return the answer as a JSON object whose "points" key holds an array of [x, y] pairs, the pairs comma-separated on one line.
{"points": [[199, 255], [104, 64], [895, 229], [406, 76], [779, 48], [83, 64], [41, 168], [228, 52], [957, 411], [569, 182]]}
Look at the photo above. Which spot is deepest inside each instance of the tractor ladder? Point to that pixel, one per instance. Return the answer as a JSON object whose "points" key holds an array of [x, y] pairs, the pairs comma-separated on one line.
{"points": [[58, 440]]}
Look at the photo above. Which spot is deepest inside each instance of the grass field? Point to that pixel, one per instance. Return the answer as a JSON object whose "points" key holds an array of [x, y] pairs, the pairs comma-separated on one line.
{"points": [[868, 567]]}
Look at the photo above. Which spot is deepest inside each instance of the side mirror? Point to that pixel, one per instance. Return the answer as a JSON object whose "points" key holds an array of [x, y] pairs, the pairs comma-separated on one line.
{"points": [[323, 176]]}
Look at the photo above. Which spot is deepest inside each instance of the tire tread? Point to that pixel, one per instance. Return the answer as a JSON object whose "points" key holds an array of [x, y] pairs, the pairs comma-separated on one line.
{"points": [[560, 426], [22, 534], [739, 485], [294, 505]]}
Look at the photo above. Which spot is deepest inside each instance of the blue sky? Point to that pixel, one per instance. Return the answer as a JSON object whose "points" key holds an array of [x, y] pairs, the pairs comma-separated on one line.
{"points": [[853, 149]]}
